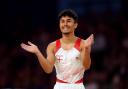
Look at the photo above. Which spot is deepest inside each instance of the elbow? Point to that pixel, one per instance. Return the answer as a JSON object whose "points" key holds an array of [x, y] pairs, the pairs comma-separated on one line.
{"points": [[48, 72], [47, 68], [87, 67]]}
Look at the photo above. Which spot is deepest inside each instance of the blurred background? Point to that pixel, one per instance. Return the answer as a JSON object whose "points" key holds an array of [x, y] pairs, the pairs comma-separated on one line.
{"points": [[36, 21]]}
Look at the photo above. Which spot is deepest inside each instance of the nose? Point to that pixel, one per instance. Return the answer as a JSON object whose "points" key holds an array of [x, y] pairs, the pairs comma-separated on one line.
{"points": [[65, 23]]}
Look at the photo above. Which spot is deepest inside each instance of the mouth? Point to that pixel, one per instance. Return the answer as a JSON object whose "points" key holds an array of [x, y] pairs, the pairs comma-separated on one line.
{"points": [[65, 29]]}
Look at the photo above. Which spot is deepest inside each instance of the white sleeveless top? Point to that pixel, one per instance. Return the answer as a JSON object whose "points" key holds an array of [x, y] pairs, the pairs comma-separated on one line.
{"points": [[69, 67]]}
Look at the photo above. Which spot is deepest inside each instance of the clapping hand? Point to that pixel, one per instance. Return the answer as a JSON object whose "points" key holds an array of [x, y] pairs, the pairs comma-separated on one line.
{"points": [[30, 47]]}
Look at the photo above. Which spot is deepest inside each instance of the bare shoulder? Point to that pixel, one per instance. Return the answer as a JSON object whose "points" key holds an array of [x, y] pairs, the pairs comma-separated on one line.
{"points": [[51, 46]]}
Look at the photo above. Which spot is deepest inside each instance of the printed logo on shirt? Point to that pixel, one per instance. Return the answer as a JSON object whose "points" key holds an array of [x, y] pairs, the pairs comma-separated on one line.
{"points": [[59, 57]]}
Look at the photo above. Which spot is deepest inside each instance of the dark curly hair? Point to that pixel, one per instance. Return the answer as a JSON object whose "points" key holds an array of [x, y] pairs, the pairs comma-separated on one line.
{"points": [[70, 13]]}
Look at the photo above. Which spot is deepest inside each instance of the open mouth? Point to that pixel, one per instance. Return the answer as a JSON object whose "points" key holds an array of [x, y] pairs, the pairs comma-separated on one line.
{"points": [[65, 29]]}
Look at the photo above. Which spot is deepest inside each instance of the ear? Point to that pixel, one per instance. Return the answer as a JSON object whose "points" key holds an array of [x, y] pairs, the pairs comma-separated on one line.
{"points": [[76, 24]]}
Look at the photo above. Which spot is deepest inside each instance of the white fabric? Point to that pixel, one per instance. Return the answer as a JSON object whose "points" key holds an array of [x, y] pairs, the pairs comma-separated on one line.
{"points": [[68, 86], [68, 65]]}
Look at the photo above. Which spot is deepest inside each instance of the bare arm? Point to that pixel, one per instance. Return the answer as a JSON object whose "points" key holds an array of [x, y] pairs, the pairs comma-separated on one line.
{"points": [[85, 52], [46, 63]]}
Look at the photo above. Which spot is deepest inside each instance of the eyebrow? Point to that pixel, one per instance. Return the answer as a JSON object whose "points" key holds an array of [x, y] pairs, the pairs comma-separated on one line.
{"points": [[69, 19]]}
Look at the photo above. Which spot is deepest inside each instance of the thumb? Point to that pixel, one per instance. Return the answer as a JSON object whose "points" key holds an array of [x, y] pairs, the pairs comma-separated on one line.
{"points": [[30, 43], [91, 36]]}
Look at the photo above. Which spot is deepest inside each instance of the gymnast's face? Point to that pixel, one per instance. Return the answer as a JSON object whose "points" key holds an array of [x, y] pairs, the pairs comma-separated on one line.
{"points": [[67, 25]]}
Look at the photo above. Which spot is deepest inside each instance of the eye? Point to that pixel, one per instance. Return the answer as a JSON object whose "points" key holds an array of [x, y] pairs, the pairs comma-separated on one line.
{"points": [[61, 21], [69, 21]]}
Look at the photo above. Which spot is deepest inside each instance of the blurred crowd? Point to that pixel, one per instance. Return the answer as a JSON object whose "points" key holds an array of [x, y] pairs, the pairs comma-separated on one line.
{"points": [[20, 69]]}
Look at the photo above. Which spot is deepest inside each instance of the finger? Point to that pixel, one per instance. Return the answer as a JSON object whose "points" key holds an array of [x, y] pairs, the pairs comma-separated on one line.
{"points": [[92, 39], [91, 36], [23, 45], [30, 43]]}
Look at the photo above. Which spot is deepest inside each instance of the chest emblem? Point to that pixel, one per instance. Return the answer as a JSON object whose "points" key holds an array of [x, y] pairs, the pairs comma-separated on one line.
{"points": [[59, 57]]}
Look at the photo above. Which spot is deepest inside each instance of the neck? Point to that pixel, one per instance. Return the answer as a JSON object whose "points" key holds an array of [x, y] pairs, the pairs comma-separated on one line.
{"points": [[68, 38]]}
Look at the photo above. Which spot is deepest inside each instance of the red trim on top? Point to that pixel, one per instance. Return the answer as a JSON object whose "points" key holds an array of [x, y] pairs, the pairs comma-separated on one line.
{"points": [[79, 81], [58, 44], [61, 81], [77, 44]]}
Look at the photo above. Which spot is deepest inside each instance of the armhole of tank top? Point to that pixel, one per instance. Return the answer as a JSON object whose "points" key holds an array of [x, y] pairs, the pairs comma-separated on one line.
{"points": [[77, 44], [57, 46]]}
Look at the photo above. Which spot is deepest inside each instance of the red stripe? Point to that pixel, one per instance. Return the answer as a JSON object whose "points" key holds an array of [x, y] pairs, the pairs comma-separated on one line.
{"points": [[79, 81], [61, 81], [77, 44], [57, 45]]}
